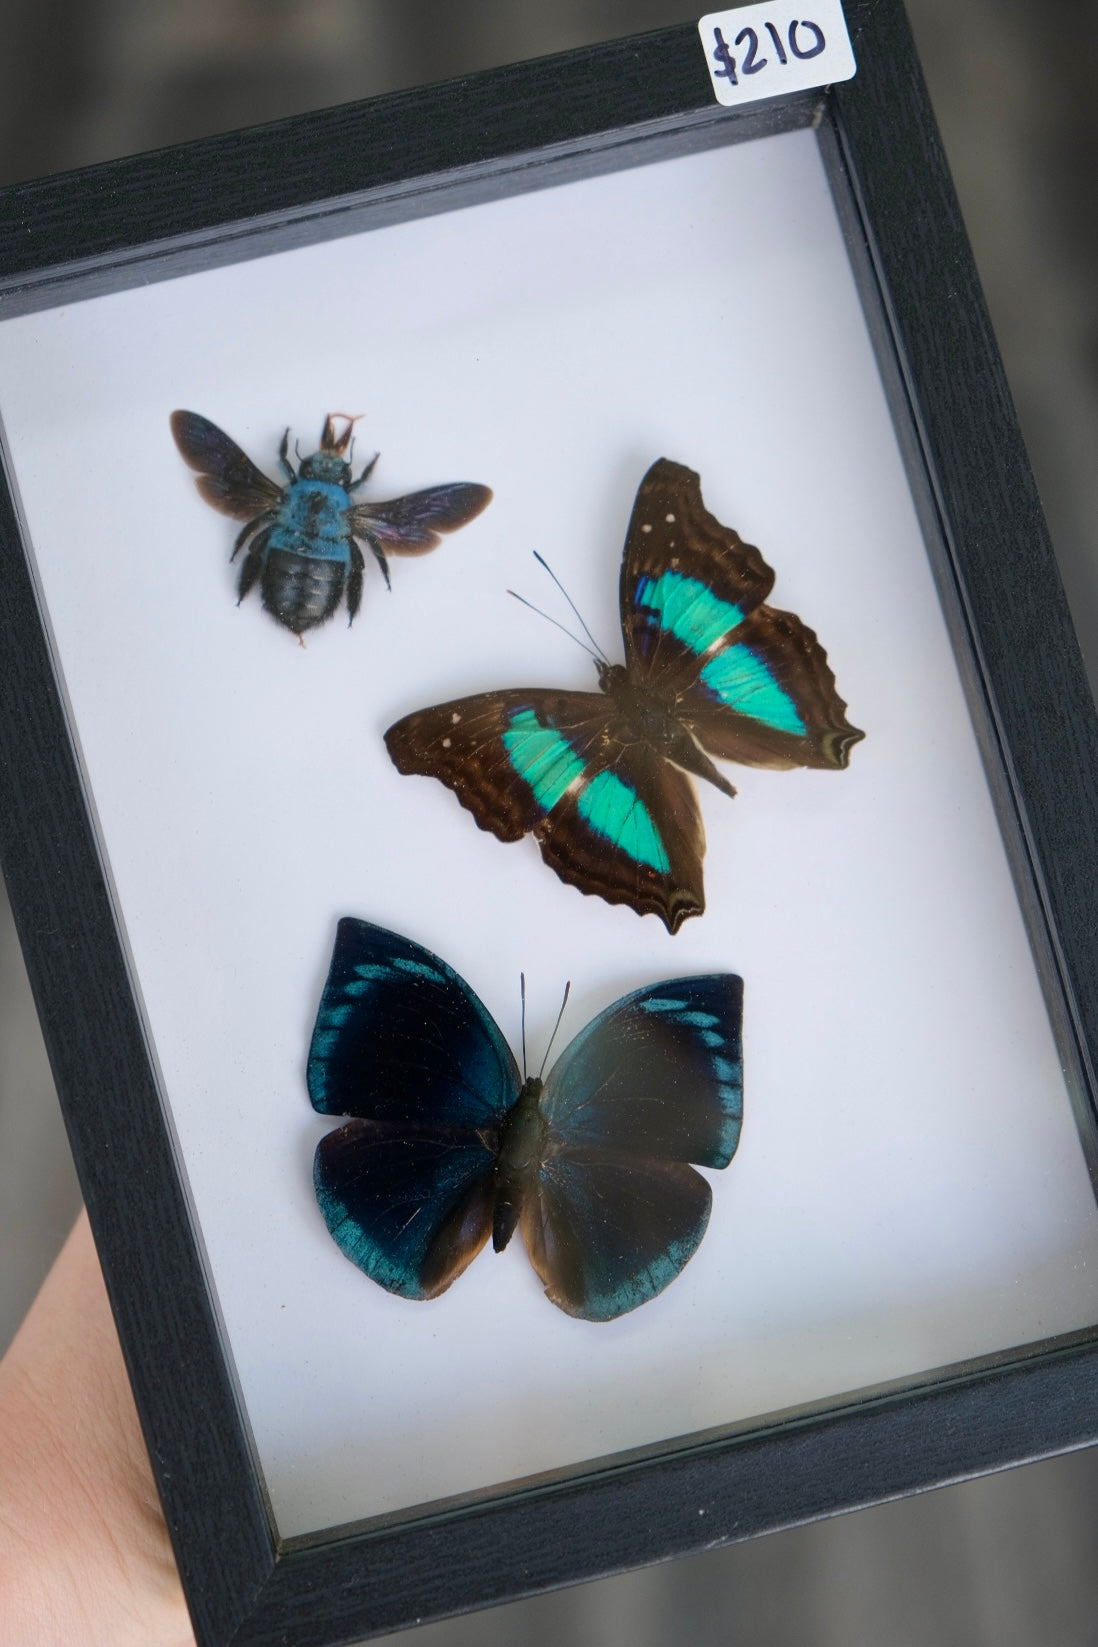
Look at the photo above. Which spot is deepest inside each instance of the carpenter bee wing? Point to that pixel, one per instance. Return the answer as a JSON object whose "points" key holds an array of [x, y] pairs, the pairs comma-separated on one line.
{"points": [[412, 525], [227, 478]]}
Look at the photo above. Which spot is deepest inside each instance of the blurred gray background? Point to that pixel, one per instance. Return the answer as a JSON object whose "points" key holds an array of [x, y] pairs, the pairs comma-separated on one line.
{"points": [[1007, 1561]]}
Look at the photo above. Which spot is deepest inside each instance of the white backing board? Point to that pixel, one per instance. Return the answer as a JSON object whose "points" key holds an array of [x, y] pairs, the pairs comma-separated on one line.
{"points": [[910, 1189]]}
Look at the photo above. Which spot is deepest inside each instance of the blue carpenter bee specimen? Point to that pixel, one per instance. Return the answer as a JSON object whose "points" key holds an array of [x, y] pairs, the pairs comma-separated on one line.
{"points": [[303, 541], [447, 1144]]}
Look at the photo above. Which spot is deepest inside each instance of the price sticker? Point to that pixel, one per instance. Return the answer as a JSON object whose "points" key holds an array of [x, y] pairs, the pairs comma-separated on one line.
{"points": [[769, 50]]}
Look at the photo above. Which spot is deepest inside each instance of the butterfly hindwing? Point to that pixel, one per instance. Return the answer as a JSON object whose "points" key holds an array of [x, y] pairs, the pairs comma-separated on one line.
{"points": [[767, 698], [649, 1217], [633, 835], [402, 1044], [228, 479], [411, 1208], [653, 1083], [609, 815]]}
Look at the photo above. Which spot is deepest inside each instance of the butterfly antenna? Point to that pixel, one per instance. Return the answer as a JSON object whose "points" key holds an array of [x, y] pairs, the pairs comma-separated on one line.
{"points": [[522, 997], [541, 560], [556, 1026], [554, 622]]}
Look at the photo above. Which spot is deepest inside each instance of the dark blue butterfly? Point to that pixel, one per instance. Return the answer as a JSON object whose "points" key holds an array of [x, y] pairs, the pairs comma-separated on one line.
{"points": [[600, 779], [302, 540], [449, 1144]]}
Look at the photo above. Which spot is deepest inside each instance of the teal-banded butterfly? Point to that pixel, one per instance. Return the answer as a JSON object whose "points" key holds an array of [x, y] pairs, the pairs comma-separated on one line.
{"points": [[601, 780], [446, 1143]]}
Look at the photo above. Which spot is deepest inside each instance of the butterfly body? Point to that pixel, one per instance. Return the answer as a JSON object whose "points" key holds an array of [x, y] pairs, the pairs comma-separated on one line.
{"points": [[600, 779], [447, 1145], [303, 541], [520, 1148], [646, 714]]}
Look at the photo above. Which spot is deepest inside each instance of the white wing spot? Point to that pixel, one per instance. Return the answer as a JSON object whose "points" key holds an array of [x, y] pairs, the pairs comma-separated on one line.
{"points": [[454, 717], [446, 742], [646, 527], [670, 519]]}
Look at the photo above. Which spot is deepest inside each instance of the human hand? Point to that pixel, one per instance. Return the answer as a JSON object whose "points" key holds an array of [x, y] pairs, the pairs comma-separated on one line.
{"points": [[85, 1559]]}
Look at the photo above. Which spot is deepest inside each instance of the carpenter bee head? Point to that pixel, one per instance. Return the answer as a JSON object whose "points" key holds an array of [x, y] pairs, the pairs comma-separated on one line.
{"points": [[332, 462]]}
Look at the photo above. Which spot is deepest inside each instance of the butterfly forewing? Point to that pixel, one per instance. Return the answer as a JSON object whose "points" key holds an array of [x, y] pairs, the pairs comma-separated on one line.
{"points": [[228, 479], [401, 1038], [403, 1044], [684, 576], [462, 744], [659, 1074], [608, 814], [653, 1083]]}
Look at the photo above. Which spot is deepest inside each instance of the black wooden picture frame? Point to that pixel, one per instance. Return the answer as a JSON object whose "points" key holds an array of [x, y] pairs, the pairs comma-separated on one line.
{"points": [[227, 200]]}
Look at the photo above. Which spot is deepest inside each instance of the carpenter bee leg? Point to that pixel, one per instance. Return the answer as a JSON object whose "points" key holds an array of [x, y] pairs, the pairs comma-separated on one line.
{"points": [[379, 555], [354, 584], [249, 571], [245, 534], [253, 564], [366, 473], [283, 460]]}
